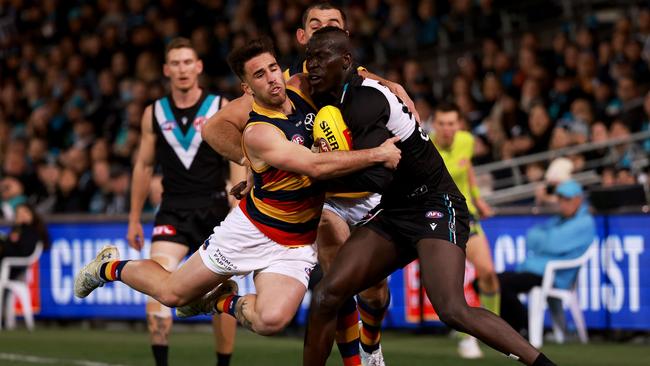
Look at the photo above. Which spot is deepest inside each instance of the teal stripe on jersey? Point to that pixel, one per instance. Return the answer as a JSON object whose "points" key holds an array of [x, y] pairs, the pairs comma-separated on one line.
{"points": [[205, 106]]}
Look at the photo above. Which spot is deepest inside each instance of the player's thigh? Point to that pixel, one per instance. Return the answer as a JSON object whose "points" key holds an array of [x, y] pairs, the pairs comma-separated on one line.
{"points": [[193, 279], [168, 253], [364, 260], [442, 269], [278, 296], [333, 231], [478, 253]]}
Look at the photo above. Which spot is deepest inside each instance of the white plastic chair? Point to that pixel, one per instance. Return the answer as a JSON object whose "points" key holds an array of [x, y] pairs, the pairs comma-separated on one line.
{"points": [[539, 295], [17, 288]]}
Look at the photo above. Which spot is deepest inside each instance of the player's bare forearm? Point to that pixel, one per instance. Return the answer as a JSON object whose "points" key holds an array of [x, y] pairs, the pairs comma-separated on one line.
{"points": [[225, 138], [139, 189], [223, 130], [339, 163]]}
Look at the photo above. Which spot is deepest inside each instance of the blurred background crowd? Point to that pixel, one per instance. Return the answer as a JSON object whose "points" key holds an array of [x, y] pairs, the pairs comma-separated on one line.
{"points": [[75, 77]]}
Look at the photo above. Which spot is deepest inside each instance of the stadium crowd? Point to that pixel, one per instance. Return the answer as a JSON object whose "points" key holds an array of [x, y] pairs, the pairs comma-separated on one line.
{"points": [[75, 77]]}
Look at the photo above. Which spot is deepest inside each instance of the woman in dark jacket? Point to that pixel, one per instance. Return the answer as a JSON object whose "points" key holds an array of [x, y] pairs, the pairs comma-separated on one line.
{"points": [[28, 229]]}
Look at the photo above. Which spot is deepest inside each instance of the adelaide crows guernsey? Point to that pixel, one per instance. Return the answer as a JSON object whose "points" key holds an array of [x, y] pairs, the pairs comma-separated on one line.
{"points": [[193, 173], [283, 205]]}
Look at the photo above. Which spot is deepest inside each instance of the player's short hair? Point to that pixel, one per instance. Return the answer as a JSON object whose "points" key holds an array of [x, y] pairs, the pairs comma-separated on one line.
{"points": [[239, 56], [179, 42], [323, 5], [339, 38], [445, 107]]}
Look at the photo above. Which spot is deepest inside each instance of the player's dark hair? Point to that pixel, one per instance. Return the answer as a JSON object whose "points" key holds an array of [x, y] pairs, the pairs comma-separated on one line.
{"points": [[323, 5], [238, 57], [445, 107], [179, 42], [338, 38]]}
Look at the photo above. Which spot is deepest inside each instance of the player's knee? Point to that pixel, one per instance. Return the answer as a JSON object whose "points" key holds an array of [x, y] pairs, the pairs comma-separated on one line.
{"points": [[272, 321], [326, 299], [376, 296], [455, 316], [172, 300]]}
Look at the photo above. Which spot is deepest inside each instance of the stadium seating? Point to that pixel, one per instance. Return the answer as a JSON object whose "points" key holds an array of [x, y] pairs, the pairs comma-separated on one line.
{"points": [[539, 295], [17, 288]]}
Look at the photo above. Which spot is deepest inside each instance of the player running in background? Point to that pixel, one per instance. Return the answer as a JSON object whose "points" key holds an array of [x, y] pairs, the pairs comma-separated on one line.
{"points": [[457, 148], [422, 215], [194, 184], [271, 232]]}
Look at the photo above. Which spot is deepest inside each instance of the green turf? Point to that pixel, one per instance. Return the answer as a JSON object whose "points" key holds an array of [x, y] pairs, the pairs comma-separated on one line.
{"points": [[130, 347]]}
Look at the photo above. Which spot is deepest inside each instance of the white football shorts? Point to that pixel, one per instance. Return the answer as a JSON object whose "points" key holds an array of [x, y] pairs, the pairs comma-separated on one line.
{"points": [[352, 210], [237, 247]]}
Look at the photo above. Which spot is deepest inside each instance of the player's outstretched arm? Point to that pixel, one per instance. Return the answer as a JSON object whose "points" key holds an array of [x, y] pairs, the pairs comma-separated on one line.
{"points": [[142, 172], [266, 145], [224, 129]]}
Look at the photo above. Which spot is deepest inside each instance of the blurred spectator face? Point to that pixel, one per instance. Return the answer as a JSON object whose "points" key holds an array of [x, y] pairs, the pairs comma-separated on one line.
{"points": [[538, 121], [147, 67], [625, 177], [24, 215], [10, 187], [608, 178], [119, 65], [134, 114], [604, 52], [316, 19], [106, 82], [101, 173], [527, 59], [586, 65], [581, 110], [99, 150], [618, 42], [644, 20], [76, 159], [426, 9], [632, 50], [502, 62], [599, 132], [560, 138], [201, 40], [424, 109], [584, 39], [446, 124], [14, 164], [48, 174], [602, 92], [120, 184], [534, 172], [559, 43], [571, 57], [491, 88], [626, 90], [68, 181], [183, 68], [646, 104], [569, 206], [460, 86], [37, 150]]}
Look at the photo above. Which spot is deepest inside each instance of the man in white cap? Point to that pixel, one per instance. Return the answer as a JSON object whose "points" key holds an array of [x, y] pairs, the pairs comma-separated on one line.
{"points": [[558, 171]]}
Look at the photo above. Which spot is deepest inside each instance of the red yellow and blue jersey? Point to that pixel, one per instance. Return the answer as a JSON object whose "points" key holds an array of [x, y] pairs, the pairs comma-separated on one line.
{"points": [[285, 206]]}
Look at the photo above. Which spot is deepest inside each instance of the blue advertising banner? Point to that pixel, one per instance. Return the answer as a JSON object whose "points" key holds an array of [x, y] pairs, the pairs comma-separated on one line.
{"points": [[614, 288]]}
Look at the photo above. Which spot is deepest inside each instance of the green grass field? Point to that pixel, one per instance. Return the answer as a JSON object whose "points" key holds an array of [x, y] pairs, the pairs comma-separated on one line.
{"points": [[75, 346]]}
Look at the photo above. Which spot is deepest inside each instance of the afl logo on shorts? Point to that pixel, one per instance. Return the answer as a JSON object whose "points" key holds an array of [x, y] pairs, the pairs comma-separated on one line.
{"points": [[309, 121], [298, 139], [164, 230], [433, 215]]}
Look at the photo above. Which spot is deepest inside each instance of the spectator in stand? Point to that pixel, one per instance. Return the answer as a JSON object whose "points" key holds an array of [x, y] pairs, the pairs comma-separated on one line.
{"points": [[565, 236], [558, 172]]}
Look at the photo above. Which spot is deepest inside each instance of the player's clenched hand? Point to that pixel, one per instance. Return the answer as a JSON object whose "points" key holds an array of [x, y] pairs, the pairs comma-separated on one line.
{"points": [[241, 189], [135, 235], [389, 153]]}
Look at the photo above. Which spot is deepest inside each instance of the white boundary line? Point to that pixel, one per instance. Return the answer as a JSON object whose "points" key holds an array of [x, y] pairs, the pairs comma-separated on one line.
{"points": [[50, 361]]}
